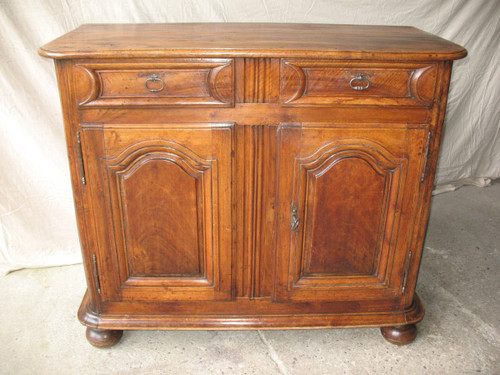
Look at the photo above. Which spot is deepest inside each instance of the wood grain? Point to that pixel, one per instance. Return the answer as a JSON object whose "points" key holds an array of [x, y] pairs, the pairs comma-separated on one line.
{"points": [[252, 40], [185, 218], [329, 83], [338, 232], [166, 212], [400, 335], [172, 82]]}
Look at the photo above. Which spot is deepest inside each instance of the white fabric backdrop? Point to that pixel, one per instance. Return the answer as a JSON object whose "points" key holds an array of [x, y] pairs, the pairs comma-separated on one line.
{"points": [[37, 224]]}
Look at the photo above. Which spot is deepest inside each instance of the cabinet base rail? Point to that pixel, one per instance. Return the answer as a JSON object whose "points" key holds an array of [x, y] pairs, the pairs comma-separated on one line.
{"points": [[398, 327]]}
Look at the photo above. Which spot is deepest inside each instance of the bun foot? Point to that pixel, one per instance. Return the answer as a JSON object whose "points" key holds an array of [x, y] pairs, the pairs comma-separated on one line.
{"points": [[103, 338], [400, 335]]}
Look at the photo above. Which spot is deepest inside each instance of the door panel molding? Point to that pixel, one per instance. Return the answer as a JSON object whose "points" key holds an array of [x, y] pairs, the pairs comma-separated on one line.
{"points": [[349, 194], [168, 196], [160, 156], [308, 173]]}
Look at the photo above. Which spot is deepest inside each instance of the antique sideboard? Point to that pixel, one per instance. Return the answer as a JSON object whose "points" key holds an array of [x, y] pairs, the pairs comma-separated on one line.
{"points": [[251, 176]]}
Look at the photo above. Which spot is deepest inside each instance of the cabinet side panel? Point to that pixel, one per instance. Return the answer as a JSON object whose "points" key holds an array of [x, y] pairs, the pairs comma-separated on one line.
{"points": [[427, 177], [65, 77]]}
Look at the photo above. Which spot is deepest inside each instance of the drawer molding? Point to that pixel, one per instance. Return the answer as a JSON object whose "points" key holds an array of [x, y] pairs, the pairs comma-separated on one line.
{"points": [[423, 84], [185, 83], [306, 83]]}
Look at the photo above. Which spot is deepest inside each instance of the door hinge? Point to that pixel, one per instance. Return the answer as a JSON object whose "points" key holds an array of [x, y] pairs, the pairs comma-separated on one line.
{"points": [[96, 275], [295, 221], [80, 158], [424, 170], [405, 277]]}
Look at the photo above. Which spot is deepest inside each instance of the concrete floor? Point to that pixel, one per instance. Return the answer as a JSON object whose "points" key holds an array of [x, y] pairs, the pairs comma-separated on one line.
{"points": [[460, 334]]}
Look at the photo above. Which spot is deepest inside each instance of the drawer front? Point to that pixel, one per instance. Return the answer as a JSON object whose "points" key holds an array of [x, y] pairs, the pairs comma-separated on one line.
{"points": [[199, 82], [330, 83]]}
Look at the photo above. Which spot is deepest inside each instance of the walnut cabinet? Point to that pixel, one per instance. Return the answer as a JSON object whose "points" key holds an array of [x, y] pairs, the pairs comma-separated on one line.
{"points": [[251, 176]]}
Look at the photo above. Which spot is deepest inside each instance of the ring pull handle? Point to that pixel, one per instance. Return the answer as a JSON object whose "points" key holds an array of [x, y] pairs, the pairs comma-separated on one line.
{"points": [[361, 82], [154, 78]]}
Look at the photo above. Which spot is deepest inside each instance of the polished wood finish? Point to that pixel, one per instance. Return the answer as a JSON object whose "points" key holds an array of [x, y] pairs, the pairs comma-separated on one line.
{"points": [[103, 338], [252, 40], [325, 82], [253, 175], [168, 194], [400, 335], [184, 82]]}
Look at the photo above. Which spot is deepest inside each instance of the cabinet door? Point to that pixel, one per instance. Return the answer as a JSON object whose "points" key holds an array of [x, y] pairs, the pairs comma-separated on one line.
{"points": [[345, 210], [162, 204]]}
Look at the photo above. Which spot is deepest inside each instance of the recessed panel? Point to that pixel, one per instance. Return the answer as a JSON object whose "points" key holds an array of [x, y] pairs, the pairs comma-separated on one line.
{"points": [[155, 83], [338, 236], [169, 192], [345, 212], [161, 211]]}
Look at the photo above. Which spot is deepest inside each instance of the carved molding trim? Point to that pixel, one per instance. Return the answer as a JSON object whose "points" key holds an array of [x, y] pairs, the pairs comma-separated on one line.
{"points": [[316, 82], [301, 81], [214, 82], [217, 83], [423, 84], [88, 84], [124, 166], [389, 167], [257, 80], [186, 158]]}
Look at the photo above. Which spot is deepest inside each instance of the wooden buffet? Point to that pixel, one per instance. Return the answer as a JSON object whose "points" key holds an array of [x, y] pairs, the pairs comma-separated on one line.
{"points": [[251, 176]]}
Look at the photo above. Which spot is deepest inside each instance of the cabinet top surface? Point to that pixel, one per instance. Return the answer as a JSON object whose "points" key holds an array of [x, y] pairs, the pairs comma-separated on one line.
{"points": [[251, 40]]}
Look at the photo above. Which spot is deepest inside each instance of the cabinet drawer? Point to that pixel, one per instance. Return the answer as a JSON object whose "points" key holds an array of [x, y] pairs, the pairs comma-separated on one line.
{"points": [[193, 82], [330, 83]]}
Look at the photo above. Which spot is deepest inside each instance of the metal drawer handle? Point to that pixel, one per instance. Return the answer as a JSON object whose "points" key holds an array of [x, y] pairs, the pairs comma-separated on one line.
{"points": [[154, 78], [359, 78]]}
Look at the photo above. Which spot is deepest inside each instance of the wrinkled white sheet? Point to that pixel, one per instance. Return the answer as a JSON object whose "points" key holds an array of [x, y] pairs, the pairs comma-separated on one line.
{"points": [[37, 224]]}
